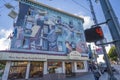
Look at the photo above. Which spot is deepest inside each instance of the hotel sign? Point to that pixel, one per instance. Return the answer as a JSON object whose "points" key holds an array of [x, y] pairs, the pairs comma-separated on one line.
{"points": [[22, 56], [74, 55]]}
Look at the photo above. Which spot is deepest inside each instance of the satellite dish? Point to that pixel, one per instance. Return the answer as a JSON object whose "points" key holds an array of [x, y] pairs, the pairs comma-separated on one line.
{"points": [[12, 14]]}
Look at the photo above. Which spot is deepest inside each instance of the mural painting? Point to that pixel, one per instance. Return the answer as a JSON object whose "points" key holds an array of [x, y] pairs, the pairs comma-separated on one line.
{"points": [[43, 29]]}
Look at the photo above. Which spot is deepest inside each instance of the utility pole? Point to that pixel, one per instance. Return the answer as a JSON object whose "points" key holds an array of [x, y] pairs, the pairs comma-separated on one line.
{"points": [[93, 13], [113, 24], [94, 17], [103, 47]]}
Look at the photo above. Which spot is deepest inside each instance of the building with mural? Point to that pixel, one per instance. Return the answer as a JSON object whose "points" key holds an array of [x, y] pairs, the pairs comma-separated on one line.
{"points": [[46, 43]]}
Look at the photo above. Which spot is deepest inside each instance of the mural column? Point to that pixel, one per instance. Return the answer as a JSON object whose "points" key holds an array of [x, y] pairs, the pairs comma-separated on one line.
{"points": [[27, 71], [6, 71]]}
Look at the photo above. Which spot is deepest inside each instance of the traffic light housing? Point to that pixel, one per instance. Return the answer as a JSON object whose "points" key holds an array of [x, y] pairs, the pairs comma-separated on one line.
{"points": [[94, 34]]}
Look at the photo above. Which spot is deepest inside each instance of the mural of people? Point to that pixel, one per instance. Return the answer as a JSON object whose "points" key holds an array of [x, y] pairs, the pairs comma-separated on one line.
{"points": [[68, 47], [52, 38], [81, 47], [45, 30]]}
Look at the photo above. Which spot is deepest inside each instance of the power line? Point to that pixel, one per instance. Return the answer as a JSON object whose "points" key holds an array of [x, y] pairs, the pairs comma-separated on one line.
{"points": [[81, 5]]}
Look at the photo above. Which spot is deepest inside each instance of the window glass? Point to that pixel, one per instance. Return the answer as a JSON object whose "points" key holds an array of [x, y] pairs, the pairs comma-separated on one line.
{"points": [[36, 69], [54, 67], [17, 70], [80, 65]]}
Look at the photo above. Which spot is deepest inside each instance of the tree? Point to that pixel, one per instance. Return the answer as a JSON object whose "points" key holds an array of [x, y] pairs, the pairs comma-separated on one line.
{"points": [[112, 54]]}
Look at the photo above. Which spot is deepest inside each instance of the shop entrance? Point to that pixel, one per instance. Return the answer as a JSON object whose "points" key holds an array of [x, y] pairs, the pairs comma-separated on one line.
{"points": [[36, 69], [68, 69]]}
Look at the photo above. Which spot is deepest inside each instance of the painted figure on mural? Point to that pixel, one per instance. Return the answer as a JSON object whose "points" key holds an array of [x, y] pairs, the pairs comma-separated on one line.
{"points": [[50, 28], [37, 28], [81, 47], [20, 37], [52, 38], [14, 35], [68, 47]]}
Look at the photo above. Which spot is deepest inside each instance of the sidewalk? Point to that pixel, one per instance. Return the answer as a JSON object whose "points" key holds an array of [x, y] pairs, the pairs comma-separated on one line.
{"points": [[105, 76], [88, 76]]}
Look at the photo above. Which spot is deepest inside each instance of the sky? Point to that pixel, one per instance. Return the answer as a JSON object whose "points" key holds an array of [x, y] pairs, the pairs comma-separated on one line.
{"points": [[76, 7]]}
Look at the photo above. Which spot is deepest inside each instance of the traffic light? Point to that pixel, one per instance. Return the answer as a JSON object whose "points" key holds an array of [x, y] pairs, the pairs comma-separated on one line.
{"points": [[94, 34]]}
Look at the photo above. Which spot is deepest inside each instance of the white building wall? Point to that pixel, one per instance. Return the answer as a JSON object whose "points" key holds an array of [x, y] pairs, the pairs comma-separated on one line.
{"points": [[45, 68], [73, 66], [63, 67], [27, 71]]}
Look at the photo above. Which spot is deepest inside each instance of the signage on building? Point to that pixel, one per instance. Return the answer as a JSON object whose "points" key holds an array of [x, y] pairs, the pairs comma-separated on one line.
{"points": [[77, 56], [74, 55], [22, 56]]}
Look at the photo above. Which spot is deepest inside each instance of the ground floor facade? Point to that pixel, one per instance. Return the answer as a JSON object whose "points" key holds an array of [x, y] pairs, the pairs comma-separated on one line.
{"points": [[43, 66]]}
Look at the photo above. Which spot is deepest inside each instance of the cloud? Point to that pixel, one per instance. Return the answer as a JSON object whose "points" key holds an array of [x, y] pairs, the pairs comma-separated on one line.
{"points": [[4, 42], [88, 22]]}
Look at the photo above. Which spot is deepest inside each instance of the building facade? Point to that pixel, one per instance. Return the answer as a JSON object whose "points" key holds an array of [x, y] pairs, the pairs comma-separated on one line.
{"points": [[46, 43]]}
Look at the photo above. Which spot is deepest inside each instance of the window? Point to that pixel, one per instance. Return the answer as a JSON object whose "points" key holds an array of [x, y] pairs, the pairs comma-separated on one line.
{"points": [[17, 70], [54, 67], [80, 65], [36, 69]]}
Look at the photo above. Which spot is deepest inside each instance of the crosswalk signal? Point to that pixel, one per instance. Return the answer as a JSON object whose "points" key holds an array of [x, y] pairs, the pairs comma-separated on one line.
{"points": [[94, 34]]}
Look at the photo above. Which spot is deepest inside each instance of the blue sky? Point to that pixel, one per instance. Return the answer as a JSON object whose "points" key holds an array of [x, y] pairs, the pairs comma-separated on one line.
{"points": [[77, 7]]}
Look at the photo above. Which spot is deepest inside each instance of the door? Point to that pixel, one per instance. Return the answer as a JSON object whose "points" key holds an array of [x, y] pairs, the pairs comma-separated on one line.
{"points": [[68, 68]]}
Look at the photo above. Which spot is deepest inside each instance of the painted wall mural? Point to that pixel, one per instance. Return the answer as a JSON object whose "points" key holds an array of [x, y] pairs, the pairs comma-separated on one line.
{"points": [[48, 30]]}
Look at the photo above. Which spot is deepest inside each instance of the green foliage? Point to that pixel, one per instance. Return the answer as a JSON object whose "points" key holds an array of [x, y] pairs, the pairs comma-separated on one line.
{"points": [[112, 54], [2, 66]]}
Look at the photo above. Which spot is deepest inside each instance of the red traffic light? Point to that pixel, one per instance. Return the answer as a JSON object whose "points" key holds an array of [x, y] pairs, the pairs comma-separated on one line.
{"points": [[94, 34]]}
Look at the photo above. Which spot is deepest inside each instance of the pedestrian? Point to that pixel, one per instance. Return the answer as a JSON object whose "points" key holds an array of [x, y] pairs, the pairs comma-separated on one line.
{"points": [[96, 73]]}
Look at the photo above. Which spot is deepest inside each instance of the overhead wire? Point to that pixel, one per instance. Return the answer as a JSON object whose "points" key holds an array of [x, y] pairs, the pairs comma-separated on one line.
{"points": [[81, 6]]}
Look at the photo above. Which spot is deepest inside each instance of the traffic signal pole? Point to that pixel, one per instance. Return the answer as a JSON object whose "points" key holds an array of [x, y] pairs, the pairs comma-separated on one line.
{"points": [[103, 47], [113, 24]]}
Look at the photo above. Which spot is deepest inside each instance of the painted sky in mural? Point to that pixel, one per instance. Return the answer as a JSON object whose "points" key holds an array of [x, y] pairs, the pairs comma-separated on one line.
{"points": [[40, 28]]}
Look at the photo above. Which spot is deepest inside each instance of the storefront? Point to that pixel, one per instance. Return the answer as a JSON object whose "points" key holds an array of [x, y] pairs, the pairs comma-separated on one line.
{"points": [[17, 70], [47, 67]]}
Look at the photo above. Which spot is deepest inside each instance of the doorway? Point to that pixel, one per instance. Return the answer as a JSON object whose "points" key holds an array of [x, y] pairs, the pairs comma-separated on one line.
{"points": [[36, 69], [68, 69]]}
